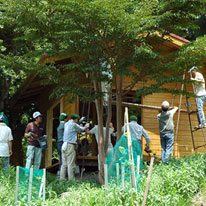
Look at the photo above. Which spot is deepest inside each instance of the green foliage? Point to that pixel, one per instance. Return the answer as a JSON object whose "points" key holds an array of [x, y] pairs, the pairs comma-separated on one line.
{"points": [[176, 183], [99, 33], [171, 185]]}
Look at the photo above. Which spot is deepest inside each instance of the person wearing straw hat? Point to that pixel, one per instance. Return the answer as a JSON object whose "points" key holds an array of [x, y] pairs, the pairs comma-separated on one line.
{"points": [[33, 132], [5, 143], [137, 131], [166, 128], [63, 118], [199, 91]]}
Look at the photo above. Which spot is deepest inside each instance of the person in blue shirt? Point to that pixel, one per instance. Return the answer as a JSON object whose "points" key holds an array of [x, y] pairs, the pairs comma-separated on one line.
{"points": [[137, 131], [71, 129], [63, 118]]}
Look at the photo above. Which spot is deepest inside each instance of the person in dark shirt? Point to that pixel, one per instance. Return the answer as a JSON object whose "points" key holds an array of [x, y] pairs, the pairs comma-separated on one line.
{"points": [[34, 132], [166, 128]]}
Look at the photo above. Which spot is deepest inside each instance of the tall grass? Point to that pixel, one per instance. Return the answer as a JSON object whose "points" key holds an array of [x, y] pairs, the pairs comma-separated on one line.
{"points": [[172, 185]]}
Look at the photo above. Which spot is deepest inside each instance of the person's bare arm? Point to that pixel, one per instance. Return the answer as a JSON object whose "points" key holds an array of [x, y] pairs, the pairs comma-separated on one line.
{"points": [[27, 134], [10, 148]]}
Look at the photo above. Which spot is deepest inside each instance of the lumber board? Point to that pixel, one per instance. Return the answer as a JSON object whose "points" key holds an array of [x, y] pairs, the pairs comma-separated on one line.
{"points": [[144, 106]]}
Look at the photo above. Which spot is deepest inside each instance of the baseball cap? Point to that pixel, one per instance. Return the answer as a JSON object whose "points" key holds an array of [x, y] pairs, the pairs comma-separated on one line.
{"points": [[165, 105], [37, 114], [63, 116], [193, 68], [133, 117], [75, 116]]}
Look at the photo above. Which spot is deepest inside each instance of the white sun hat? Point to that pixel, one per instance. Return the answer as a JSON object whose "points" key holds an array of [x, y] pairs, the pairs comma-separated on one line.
{"points": [[165, 105], [37, 114]]}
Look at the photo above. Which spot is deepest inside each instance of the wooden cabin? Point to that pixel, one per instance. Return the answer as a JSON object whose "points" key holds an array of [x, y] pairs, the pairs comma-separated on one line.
{"points": [[33, 92]]}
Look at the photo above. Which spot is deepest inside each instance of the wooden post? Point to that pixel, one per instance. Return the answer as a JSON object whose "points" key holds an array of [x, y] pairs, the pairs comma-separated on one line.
{"points": [[123, 175], [117, 172], [30, 185], [148, 181], [17, 184], [106, 175]]}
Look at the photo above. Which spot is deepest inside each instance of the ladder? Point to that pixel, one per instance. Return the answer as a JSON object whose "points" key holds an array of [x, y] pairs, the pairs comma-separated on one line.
{"points": [[189, 112], [192, 131]]}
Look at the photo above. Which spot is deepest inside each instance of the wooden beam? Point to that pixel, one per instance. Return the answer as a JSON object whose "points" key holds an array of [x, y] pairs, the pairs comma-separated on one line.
{"points": [[143, 106], [87, 157]]}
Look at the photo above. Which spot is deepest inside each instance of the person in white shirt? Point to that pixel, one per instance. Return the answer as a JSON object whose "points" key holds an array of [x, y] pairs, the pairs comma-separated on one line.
{"points": [[5, 143], [199, 91], [94, 131]]}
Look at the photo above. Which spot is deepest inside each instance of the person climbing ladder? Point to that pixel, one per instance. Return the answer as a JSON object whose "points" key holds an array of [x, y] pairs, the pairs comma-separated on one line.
{"points": [[199, 91]]}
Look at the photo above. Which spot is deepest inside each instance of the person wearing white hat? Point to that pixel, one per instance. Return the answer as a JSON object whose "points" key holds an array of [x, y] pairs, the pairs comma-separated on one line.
{"points": [[5, 143], [33, 132], [166, 128], [199, 91]]}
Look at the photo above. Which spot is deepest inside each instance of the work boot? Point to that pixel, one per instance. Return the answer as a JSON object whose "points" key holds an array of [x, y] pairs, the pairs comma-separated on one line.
{"points": [[200, 126]]}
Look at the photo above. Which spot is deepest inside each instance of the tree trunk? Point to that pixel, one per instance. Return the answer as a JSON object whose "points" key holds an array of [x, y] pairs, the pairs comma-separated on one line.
{"points": [[99, 108], [109, 118], [119, 106], [4, 91]]}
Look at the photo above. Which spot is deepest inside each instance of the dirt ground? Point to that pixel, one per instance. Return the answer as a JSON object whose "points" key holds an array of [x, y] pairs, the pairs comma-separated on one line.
{"points": [[199, 199]]}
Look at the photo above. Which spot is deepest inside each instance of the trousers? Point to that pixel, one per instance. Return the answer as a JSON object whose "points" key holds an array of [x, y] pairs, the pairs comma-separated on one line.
{"points": [[68, 161], [33, 155], [167, 140], [200, 112], [59, 148]]}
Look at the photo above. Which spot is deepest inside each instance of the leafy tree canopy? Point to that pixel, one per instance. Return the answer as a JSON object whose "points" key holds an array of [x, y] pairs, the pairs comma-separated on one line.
{"points": [[100, 33]]}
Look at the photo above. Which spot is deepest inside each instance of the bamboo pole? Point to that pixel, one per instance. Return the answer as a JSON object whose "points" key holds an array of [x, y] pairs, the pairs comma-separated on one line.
{"points": [[138, 164], [123, 175], [44, 189], [130, 152], [117, 171], [106, 175], [42, 186], [148, 181], [30, 185], [173, 96], [17, 184], [178, 116]]}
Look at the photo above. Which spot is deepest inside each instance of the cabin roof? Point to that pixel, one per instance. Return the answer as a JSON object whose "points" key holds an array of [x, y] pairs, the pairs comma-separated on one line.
{"points": [[31, 88]]}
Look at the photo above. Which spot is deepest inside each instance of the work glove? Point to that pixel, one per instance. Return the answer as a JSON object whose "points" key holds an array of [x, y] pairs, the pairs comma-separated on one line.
{"points": [[82, 119], [147, 149], [87, 125]]}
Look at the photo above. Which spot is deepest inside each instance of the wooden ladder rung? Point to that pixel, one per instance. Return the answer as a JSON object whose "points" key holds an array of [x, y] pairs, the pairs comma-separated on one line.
{"points": [[200, 146]]}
